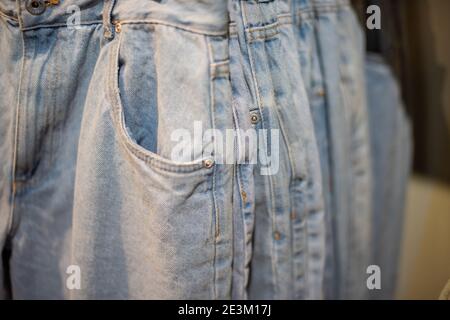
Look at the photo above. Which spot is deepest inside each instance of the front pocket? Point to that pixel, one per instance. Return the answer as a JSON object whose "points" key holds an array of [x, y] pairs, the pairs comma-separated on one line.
{"points": [[177, 214]]}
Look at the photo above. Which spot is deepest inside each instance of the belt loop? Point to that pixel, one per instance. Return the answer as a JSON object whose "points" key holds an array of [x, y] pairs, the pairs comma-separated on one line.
{"points": [[108, 6]]}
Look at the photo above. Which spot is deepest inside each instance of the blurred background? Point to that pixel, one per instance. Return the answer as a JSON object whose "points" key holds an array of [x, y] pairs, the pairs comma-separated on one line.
{"points": [[415, 41]]}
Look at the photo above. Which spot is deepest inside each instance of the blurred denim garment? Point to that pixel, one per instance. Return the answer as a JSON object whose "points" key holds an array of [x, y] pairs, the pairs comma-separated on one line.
{"points": [[391, 143], [304, 17], [341, 52], [289, 229]]}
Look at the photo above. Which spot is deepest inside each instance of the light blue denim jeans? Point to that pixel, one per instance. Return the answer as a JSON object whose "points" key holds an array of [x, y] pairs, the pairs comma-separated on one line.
{"points": [[94, 91], [304, 16], [87, 177], [288, 253], [391, 144], [341, 52]]}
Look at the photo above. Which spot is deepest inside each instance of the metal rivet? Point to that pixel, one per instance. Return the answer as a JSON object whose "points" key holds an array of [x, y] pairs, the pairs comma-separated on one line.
{"points": [[51, 2], [254, 118], [244, 196], [321, 93], [117, 27], [35, 7], [208, 163], [276, 235]]}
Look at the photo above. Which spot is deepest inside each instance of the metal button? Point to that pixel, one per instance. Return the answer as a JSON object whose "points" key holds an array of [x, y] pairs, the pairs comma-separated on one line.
{"points": [[277, 235], [254, 118], [208, 163], [36, 7]]}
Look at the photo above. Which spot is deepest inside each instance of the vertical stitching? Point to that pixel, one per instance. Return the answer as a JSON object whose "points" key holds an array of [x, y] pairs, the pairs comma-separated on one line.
{"points": [[240, 188], [15, 140], [260, 107], [214, 196], [335, 257], [213, 124]]}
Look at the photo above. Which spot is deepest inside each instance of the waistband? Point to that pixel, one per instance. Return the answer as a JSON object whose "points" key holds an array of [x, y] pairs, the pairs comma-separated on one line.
{"points": [[263, 18], [200, 16], [304, 10]]}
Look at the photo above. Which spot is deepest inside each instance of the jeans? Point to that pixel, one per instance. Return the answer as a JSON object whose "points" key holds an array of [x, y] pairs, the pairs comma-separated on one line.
{"points": [[340, 49], [289, 231], [304, 16], [391, 145], [98, 95], [87, 178]]}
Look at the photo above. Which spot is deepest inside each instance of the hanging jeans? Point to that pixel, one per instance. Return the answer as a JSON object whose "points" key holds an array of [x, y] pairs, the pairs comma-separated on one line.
{"points": [[289, 231], [391, 144], [304, 15], [95, 90], [95, 98], [331, 52]]}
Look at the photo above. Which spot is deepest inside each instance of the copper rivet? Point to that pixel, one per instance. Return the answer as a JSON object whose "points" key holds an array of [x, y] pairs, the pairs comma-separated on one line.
{"points": [[117, 26], [276, 235], [321, 93], [244, 195]]}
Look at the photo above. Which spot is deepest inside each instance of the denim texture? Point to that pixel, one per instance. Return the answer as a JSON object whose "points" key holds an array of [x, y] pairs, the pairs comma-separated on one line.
{"points": [[304, 16], [391, 144], [289, 236], [332, 49], [87, 175], [87, 178]]}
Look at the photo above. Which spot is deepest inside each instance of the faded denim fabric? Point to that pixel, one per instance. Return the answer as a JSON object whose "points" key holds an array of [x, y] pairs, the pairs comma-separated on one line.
{"points": [[289, 231], [164, 230], [86, 175], [331, 54], [10, 52], [45, 73], [87, 178], [304, 17], [341, 54], [391, 144]]}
